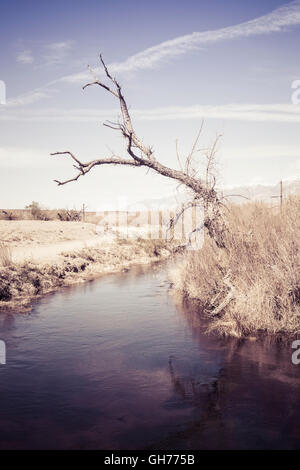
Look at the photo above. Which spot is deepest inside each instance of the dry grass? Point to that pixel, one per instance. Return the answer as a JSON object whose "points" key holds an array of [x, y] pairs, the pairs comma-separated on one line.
{"points": [[253, 285], [5, 255], [20, 283]]}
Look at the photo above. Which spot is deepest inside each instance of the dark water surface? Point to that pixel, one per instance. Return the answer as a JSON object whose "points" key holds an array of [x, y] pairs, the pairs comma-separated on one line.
{"points": [[118, 364]]}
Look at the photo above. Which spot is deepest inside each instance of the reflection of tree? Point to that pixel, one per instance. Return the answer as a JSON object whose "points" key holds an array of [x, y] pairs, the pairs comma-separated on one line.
{"points": [[250, 399], [204, 425], [197, 392], [7, 321]]}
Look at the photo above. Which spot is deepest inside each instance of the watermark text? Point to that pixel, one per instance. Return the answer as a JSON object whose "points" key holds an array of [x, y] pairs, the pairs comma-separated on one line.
{"points": [[296, 93], [2, 92], [2, 352]]}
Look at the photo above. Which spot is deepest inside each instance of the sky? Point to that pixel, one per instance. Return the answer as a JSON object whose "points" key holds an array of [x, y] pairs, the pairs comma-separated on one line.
{"points": [[232, 65]]}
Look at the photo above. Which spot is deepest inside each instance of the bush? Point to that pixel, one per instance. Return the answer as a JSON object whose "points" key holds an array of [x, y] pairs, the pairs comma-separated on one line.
{"points": [[8, 215], [65, 215], [5, 293], [37, 212]]}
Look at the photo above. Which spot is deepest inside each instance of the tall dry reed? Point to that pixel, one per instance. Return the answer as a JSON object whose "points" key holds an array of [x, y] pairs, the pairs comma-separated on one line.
{"points": [[5, 255], [253, 284]]}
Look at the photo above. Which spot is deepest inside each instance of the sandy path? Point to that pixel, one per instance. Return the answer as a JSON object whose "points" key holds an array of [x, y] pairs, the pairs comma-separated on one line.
{"points": [[52, 253], [41, 241], [19, 233], [44, 241]]}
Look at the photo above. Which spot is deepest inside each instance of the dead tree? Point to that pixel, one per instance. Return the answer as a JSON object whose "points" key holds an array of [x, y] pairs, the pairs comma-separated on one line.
{"points": [[141, 155]]}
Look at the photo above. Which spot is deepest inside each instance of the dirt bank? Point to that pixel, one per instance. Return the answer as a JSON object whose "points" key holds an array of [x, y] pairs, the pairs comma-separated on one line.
{"points": [[44, 256]]}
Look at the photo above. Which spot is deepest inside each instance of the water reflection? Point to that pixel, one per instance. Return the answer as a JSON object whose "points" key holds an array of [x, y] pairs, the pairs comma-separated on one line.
{"points": [[253, 401], [120, 364]]}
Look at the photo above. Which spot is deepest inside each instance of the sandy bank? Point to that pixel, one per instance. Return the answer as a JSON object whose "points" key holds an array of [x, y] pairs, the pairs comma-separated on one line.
{"points": [[46, 256]]}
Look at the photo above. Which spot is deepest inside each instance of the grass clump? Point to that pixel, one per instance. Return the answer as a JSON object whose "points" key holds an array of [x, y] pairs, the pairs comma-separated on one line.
{"points": [[252, 285], [5, 255]]}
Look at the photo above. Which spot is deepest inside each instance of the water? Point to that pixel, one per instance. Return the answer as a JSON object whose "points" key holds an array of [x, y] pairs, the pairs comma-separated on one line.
{"points": [[120, 364]]}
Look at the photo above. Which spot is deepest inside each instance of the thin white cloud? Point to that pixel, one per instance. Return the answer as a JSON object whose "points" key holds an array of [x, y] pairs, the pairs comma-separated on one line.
{"points": [[261, 151], [25, 57], [276, 21], [60, 46], [239, 112], [22, 157], [56, 53], [26, 99], [30, 97]]}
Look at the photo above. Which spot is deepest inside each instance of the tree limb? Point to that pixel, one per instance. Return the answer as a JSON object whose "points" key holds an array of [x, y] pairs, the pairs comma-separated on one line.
{"points": [[86, 167], [203, 189]]}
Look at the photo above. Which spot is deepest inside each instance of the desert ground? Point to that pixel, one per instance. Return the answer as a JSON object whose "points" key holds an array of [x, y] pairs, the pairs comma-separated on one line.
{"points": [[44, 241]]}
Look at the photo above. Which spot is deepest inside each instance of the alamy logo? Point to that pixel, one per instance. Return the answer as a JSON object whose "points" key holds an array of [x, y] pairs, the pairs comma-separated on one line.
{"points": [[296, 354], [2, 352], [296, 93], [184, 224], [2, 92]]}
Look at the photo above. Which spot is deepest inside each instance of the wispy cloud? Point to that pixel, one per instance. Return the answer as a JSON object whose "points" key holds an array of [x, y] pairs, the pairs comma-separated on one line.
{"points": [[239, 112], [30, 98], [277, 21], [25, 57], [258, 151], [38, 157], [274, 22], [25, 99], [56, 53]]}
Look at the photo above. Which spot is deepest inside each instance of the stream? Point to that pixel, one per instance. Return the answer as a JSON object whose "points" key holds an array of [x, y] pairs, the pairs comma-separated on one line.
{"points": [[121, 363]]}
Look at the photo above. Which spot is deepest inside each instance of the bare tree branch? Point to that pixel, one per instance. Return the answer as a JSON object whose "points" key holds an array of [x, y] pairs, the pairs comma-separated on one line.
{"points": [[203, 190], [178, 156], [86, 167], [193, 150]]}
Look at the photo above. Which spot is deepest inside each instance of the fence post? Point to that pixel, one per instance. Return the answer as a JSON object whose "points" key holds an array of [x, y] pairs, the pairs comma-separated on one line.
{"points": [[149, 224], [160, 225], [117, 225]]}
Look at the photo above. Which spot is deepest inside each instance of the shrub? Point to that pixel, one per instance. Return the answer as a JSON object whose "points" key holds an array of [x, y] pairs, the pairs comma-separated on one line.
{"points": [[35, 210], [8, 215], [5, 293], [68, 215]]}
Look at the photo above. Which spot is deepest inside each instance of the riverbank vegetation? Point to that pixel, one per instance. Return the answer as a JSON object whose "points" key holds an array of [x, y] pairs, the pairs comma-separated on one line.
{"points": [[35, 212], [251, 284], [5, 255], [246, 276], [22, 283]]}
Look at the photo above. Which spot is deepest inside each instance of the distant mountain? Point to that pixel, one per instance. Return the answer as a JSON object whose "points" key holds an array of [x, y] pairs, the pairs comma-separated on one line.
{"points": [[237, 194], [261, 192]]}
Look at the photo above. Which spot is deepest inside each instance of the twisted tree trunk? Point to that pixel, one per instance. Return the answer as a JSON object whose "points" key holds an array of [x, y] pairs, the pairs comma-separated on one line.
{"points": [[146, 158]]}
